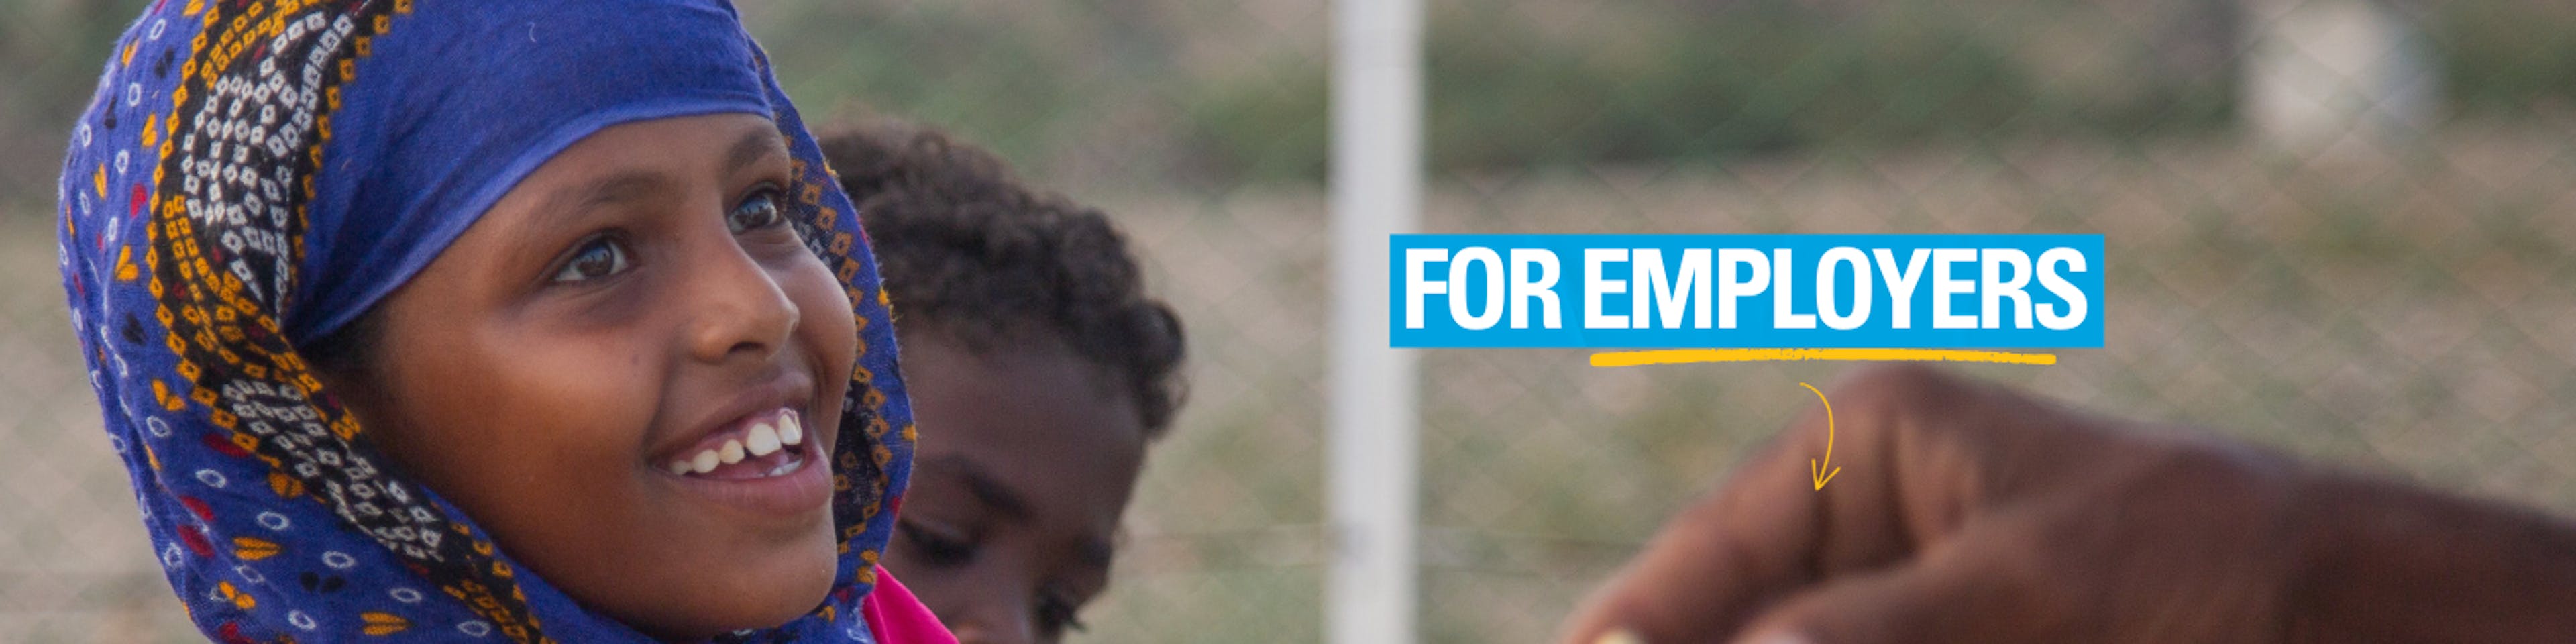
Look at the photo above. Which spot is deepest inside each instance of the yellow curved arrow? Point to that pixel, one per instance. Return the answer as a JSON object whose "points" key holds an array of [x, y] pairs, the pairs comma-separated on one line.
{"points": [[1822, 472]]}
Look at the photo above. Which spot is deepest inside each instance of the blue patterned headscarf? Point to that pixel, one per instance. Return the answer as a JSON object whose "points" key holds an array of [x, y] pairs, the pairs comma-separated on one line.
{"points": [[252, 175]]}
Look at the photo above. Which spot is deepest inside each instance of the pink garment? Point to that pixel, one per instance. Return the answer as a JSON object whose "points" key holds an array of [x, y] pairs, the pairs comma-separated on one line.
{"points": [[896, 617]]}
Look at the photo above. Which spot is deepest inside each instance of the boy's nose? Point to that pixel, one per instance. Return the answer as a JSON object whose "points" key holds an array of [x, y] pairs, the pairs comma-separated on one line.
{"points": [[736, 305]]}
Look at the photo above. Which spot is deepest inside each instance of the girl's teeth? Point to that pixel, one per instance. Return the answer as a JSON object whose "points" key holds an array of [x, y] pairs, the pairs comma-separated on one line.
{"points": [[785, 466], [762, 440]]}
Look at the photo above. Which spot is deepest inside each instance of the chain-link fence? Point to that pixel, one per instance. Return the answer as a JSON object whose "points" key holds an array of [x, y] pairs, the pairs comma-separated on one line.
{"points": [[2344, 227]]}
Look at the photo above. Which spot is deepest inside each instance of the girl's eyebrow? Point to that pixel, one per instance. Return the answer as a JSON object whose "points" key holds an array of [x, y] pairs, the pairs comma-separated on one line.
{"points": [[572, 206], [642, 184], [754, 147], [630, 185]]}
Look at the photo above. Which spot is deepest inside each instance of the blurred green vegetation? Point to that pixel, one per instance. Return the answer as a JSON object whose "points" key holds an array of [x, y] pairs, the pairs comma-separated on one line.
{"points": [[1514, 84], [2507, 59], [1162, 92], [1761, 77]]}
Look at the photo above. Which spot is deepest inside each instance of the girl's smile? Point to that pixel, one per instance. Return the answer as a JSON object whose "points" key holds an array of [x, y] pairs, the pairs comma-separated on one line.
{"points": [[762, 462], [767, 444]]}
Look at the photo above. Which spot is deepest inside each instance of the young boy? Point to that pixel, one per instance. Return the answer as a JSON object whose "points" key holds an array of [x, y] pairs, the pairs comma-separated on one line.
{"points": [[1039, 368]]}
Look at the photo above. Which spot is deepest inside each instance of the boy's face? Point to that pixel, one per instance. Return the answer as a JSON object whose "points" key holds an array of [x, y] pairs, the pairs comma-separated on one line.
{"points": [[569, 369], [1027, 456]]}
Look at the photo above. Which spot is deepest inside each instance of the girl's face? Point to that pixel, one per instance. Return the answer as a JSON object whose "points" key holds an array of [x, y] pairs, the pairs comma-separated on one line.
{"points": [[605, 368], [1027, 456]]}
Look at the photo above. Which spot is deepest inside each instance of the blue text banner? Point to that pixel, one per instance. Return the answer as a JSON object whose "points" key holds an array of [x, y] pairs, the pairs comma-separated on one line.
{"points": [[1746, 291]]}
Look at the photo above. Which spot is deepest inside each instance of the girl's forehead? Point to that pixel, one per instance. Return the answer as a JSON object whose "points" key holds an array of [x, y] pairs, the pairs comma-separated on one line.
{"points": [[609, 178]]}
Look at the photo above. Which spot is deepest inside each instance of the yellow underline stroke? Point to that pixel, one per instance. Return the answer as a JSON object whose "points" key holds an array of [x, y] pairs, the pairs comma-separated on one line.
{"points": [[1680, 356]]}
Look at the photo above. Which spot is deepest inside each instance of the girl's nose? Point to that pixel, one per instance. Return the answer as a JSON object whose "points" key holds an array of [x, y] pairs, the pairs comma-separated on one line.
{"points": [[736, 305]]}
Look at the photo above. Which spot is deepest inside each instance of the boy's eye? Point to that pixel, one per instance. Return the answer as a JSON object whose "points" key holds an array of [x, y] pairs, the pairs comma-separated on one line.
{"points": [[760, 210], [1057, 614], [937, 548], [599, 257]]}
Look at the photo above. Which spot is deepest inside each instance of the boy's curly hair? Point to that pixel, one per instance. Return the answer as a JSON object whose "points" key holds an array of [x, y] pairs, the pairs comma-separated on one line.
{"points": [[966, 250]]}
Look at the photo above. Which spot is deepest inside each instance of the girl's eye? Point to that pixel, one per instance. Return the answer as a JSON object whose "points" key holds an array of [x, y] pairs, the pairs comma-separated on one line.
{"points": [[760, 210], [937, 548], [597, 258], [1057, 614]]}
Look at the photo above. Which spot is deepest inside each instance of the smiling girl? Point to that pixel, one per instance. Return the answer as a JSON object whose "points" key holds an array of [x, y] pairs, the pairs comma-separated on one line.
{"points": [[523, 322]]}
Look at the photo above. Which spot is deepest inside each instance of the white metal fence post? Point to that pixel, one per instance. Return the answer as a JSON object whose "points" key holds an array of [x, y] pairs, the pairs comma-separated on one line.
{"points": [[1370, 597]]}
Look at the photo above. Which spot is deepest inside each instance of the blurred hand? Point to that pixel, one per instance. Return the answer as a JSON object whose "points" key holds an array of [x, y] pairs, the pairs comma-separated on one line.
{"points": [[1966, 512]]}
